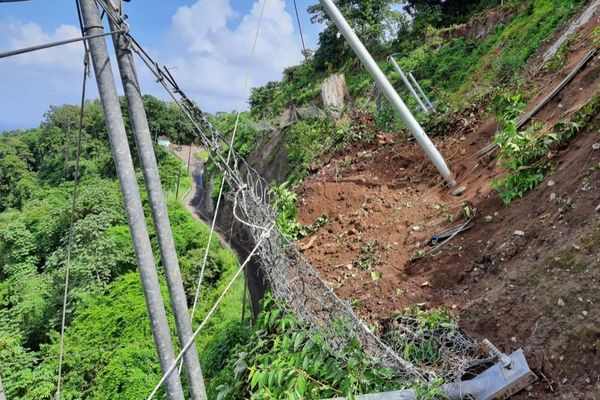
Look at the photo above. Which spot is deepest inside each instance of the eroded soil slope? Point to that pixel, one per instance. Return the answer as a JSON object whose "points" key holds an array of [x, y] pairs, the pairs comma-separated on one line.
{"points": [[524, 275]]}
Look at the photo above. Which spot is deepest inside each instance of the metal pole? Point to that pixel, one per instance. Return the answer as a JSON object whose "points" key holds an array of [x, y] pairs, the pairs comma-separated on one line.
{"points": [[2, 394], [50, 45], [133, 203], [160, 214], [177, 188], [408, 85], [414, 81], [388, 90]]}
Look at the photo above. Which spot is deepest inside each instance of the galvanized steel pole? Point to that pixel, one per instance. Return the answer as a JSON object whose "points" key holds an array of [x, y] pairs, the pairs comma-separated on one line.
{"points": [[414, 81], [160, 213], [388, 90], [408, 84], [2, 394], [133, 203]]}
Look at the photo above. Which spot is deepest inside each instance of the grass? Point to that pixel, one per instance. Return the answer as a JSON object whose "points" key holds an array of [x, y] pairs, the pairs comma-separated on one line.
{"points": [[201, 155]]}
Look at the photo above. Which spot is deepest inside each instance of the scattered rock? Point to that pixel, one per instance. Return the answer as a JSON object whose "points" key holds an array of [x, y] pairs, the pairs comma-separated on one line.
{"points": [[519, 233], [596, 146], [551, 183], [552, 196], [306, 246], [584, 313], [489, 218], [561, 303], [598, 208]]}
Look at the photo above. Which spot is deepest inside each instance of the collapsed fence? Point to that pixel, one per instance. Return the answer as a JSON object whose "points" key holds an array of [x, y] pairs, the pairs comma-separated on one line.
{"points": [[293, 280]]}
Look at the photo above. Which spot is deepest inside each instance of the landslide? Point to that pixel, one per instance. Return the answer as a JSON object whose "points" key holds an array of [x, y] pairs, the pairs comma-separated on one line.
{"points": [[523, 275]]}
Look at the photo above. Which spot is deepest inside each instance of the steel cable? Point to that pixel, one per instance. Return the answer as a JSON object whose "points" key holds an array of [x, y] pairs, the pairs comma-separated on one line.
{"points": [[73, 206]]}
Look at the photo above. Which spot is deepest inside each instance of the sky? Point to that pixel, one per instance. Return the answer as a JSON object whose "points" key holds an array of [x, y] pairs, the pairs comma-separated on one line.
{"points": [[206, 44]]}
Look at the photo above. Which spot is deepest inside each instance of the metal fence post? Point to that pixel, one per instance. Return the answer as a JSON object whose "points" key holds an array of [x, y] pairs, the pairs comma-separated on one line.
{"points": [[414, 81], [133, 203], [408, 84], [160, 213], [388, 90]]}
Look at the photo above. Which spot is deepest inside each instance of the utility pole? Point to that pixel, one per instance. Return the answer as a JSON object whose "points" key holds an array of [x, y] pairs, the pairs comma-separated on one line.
{"points": [[388, 90], [408, 84], [133, 203], [160, 213], [2, 394]]}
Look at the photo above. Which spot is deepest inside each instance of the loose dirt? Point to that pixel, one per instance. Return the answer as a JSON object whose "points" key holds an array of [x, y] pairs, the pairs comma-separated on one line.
{"points": [[524, 276]]}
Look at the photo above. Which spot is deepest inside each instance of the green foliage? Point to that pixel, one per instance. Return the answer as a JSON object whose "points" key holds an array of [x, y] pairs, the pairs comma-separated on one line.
{"points": [[202, 155], [445, 12], [300, 84], [284, 204], [282, 361], [559, 59], [424, 348], [596, 36], [369, 255], [523, 154], [305, 141], [109, 348]]}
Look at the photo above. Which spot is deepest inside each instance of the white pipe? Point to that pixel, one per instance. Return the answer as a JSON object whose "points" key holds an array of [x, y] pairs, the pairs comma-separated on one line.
{"points": [[414, 81], [408, 84], [388, 90]]}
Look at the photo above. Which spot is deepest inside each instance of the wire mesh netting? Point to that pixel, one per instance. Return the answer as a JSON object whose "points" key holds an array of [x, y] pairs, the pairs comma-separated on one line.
{"points": [[416, 348]]}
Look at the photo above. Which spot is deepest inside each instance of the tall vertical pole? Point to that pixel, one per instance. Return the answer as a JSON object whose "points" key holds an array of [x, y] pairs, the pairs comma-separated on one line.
{"points": [[388, 90], [408, 84], [414, 81], [160, 214], [133, 203], [2, 394]]}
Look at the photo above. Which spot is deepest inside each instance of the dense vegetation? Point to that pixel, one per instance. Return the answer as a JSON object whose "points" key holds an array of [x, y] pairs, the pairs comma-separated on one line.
{"points": [[110, 353], [109, 348]]}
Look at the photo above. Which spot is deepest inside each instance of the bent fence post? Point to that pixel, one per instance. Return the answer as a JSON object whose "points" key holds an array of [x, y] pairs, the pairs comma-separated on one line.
{"points": [[414, 81], [408, 84], [388, 90]]}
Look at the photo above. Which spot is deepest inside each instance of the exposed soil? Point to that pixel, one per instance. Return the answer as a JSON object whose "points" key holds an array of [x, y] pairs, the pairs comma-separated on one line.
{"points": [[524, 276]]}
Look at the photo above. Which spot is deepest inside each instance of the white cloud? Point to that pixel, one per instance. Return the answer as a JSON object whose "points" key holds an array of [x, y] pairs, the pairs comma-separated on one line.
{"points": [[216, 52], [25, 34], [34, 81]]}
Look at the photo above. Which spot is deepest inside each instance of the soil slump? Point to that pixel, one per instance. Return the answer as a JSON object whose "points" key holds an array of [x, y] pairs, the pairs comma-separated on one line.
{"points": [[524, 276]]}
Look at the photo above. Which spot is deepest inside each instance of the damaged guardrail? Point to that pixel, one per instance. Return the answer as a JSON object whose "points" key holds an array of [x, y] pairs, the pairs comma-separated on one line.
{"points": [[508, 376]]}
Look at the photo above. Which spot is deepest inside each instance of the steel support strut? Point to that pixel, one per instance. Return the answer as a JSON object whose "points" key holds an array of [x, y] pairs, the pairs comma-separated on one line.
{"points": [[141, 131], [388, 90], [133, 203], [408, 85]]}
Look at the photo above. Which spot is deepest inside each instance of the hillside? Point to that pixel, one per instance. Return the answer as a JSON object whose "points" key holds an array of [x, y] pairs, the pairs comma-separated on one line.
{"points": [[509, 254], [365, 201]]}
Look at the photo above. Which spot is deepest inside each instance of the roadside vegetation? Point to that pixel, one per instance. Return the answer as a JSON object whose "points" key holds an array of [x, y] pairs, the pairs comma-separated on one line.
{"points": [[109, 348]]}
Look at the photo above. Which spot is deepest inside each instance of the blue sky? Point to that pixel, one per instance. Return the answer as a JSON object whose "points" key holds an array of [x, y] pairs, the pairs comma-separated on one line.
{"points": [[207, 42]]}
